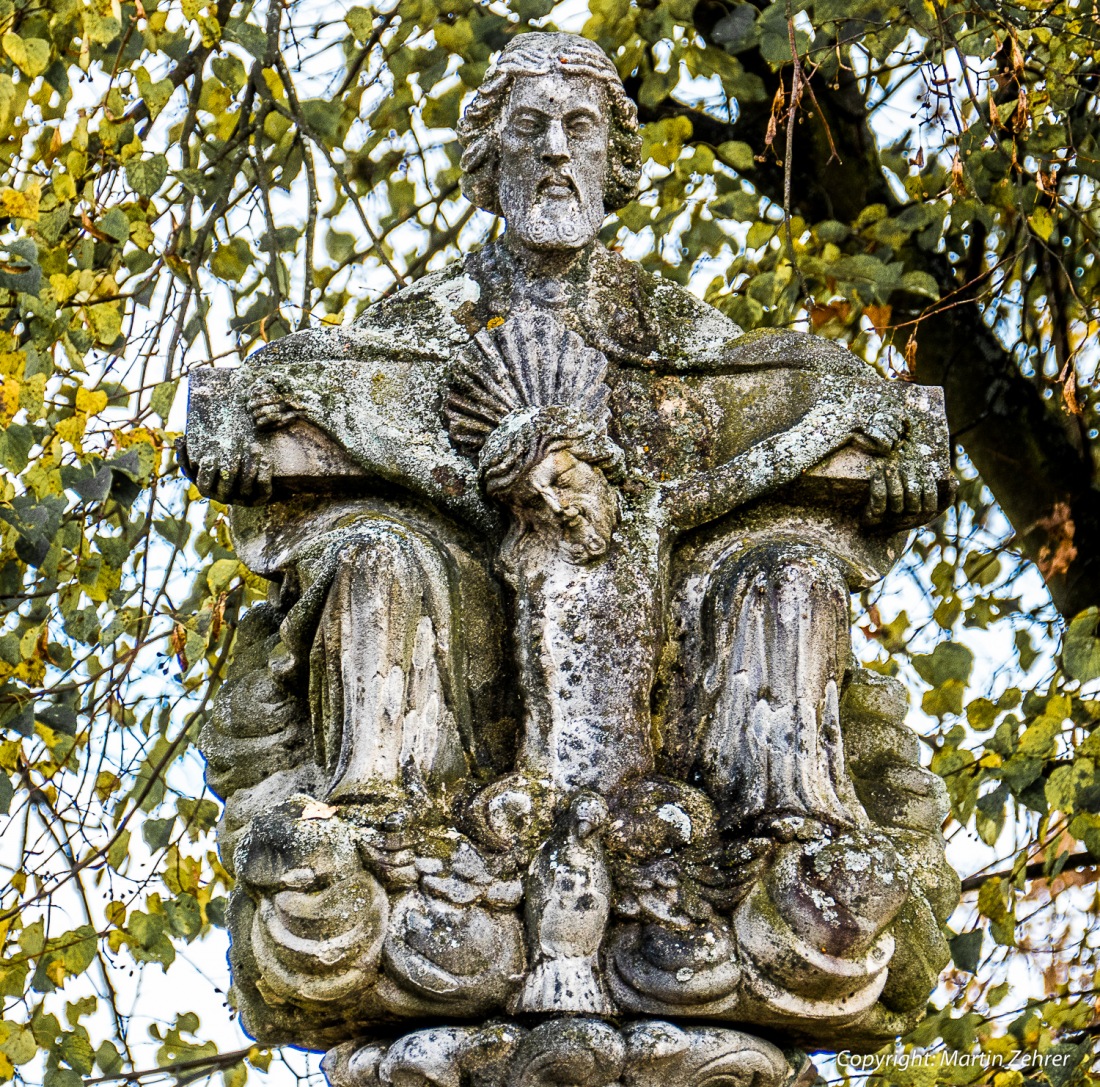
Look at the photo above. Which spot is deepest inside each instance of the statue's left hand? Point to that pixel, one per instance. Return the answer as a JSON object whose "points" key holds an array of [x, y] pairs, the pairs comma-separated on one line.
{"points": [[882, 432], [269, 406], [902, 487]]}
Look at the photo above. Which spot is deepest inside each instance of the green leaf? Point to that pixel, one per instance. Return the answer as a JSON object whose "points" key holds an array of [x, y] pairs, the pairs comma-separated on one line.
{"points": [[948, 661], [361, 23], [157, 832], [19, 1046], [146, 175], [966, 950], [163, 397], [108, 1058], [1081, 646], [663, 141], [1042, 222], [323, 116], [236, 1075], [222, 574], [736, 154], [920, 283], [20, 270], [1027, 653], [1067, 783], [119, 851], [832, 231], [116, 224]]}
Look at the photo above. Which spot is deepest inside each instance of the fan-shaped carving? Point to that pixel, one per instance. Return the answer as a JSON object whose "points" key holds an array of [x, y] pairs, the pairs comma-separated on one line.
{"points": [[530, 361]]}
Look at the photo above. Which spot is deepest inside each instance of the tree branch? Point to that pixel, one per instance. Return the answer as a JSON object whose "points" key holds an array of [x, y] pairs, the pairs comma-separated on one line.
{"points": [[212, 1063], [1074, 863]]}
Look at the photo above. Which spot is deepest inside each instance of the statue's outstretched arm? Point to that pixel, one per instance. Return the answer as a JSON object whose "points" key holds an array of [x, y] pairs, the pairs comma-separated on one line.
{"points": [[831, 423]]}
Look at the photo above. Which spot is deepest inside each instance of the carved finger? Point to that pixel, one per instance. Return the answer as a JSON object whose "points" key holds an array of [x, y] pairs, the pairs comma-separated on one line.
{"points": [[206, 479], [226, 487], [876, 502], [895, 491], [262, 392], [247, 475], [259, 486], [272, 416], [914, 499], [931, 497]]}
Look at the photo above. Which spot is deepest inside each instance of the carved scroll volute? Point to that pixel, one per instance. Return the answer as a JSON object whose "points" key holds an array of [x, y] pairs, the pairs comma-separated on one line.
{"points": [[663, 1055], [320, 918], [577, 1052]]}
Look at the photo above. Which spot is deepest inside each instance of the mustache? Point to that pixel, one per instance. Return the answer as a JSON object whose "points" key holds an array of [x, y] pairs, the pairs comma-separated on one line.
{"points": [[561, 176]]}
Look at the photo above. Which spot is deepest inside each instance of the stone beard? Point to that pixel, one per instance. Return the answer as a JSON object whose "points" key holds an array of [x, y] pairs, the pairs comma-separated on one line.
{"points": [[554, 161], [552, 710]]}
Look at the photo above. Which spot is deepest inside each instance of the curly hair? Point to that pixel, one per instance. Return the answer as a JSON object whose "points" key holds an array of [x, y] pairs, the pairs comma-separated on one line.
{"points": [[538, 54], [525, 437]]}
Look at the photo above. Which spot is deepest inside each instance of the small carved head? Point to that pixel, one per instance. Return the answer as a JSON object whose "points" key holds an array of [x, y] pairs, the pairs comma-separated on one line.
{"points": [[550, 466], [550, 140]]}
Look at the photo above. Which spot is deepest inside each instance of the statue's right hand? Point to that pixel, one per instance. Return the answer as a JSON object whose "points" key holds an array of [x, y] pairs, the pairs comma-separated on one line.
{"points": [[242, 476], [881, 433]]}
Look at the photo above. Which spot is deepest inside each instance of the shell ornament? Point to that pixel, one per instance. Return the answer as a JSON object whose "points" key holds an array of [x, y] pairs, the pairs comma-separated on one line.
{"points": [[531, 361]]}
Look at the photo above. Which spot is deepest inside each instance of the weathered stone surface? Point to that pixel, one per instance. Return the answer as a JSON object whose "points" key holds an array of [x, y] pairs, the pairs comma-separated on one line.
{"points": [[552, 712]]}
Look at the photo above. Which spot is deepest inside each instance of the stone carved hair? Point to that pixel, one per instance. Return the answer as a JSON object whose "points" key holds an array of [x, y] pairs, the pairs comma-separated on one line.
{"points": [[534, 55]]}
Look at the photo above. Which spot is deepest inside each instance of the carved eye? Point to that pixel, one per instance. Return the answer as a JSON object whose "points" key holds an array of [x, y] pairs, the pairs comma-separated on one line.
{"points": [[526, 125], [579, 126]]}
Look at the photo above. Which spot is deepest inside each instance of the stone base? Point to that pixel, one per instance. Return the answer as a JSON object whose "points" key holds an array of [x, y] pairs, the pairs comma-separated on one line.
{"points": [[568, 1052]]}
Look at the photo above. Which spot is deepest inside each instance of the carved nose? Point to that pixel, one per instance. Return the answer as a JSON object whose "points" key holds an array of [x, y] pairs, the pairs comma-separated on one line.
{"points": [[556, 150]]}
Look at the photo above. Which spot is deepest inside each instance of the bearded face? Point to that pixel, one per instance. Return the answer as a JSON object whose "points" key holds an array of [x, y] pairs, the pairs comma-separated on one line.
{"points": [[576, 496], [554, 135]]}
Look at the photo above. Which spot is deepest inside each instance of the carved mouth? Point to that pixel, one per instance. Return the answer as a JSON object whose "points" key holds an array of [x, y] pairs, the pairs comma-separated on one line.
{"points": [[557, 187]]}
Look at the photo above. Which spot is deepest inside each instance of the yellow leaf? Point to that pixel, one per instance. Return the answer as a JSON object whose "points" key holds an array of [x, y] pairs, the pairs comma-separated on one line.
{"points": [[90, 401], [9, 398], [259, 1058], [664, 140], [12, 362], [138, 435], [64, 286], [105, 321], [63, 186], [21, 205], [105, 784], [29, 55], [55, 971], [71, 430], [221, 574], [1042, 222]]}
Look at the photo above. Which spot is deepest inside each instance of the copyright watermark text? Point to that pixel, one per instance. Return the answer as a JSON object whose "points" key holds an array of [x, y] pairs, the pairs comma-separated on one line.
{"points": [[847, 1061]]}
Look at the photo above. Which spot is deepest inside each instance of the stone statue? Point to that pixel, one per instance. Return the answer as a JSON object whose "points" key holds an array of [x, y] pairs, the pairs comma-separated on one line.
{"points": [[552, 710]]}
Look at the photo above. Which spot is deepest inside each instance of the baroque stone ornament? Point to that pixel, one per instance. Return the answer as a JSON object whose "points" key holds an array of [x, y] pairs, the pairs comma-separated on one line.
{"points": [[548, 759]]}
